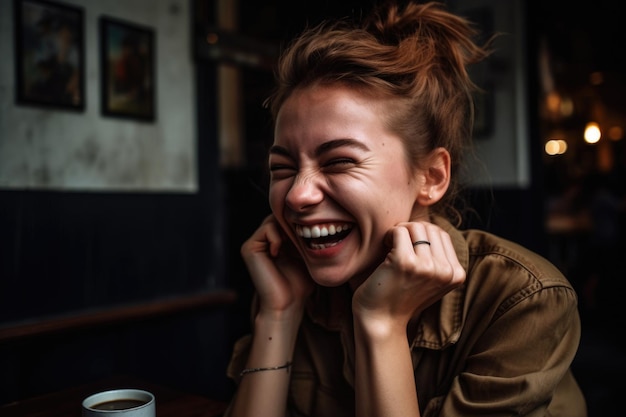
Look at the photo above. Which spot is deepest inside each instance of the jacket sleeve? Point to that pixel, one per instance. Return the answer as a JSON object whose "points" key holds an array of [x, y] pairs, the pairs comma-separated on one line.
{"points": [[520, 363]]}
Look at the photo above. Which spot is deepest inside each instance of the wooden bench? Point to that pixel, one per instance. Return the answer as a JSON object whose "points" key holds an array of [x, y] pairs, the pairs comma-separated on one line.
{"points": [[114, 315]]}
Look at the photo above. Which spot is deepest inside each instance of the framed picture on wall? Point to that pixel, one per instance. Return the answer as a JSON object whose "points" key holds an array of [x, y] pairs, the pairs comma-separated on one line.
{"points": [[127, 63], [49, 54]]}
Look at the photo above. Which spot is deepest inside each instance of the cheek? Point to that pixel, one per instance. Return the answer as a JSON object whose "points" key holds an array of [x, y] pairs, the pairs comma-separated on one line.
{"points": [[396, 199], [276, 197]]}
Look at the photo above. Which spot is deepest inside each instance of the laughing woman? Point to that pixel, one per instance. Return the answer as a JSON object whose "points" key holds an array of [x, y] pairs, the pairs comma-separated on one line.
{"points": [[370, 299]]}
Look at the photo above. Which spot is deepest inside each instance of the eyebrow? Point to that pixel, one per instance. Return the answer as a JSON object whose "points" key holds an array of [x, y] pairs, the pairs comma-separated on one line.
{"points": [[324, 147]]}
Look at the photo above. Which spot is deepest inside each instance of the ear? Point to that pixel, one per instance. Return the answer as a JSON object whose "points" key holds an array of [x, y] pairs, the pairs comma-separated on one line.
{"points": [[436, 177]]}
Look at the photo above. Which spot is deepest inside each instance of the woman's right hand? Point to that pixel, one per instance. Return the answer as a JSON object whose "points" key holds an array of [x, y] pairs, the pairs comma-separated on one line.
{"points": [[277, 270]]}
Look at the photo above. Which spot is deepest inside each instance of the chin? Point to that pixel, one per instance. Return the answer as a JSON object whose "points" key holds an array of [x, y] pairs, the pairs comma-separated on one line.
{"points": [[326, 279]]}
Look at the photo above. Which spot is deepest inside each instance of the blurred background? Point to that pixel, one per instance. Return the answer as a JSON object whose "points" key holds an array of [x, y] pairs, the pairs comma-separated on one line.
{"points": [[120, 232]]}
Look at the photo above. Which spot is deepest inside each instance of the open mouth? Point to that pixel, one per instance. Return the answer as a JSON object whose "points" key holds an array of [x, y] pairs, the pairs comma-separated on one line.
{"points": [[322, 236]]}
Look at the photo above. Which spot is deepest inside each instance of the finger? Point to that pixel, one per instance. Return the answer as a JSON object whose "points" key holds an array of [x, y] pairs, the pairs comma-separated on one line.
{"points": [[273, 235], [445, 255], [434, 236], [400, 238], [421, 242], [420, 239], [459, 271]]}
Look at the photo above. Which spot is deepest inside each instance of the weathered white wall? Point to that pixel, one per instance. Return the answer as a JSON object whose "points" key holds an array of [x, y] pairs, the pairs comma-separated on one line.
{"points": [[66, 150], [505, 152]]}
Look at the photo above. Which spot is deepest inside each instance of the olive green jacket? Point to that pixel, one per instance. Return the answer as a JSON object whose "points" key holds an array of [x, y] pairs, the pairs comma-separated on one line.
{"points": [[500, 345]]}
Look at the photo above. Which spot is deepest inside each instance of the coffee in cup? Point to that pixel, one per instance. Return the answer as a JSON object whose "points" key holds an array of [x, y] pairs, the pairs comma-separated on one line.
{"points": [[127, 402]]}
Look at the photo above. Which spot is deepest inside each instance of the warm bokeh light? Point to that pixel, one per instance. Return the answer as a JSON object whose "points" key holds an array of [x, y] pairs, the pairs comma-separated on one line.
{"points": [[553, 102], [592, 132], [556, 147], [615, 133], [596, 78], [212, 38], [567, 107]]}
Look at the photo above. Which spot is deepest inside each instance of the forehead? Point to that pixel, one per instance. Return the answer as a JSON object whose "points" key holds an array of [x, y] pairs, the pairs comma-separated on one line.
{"points": [[317, 122], [328, 112]]}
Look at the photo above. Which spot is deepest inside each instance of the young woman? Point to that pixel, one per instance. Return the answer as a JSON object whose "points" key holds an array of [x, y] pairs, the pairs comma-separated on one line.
{"points": [[370, 300]]}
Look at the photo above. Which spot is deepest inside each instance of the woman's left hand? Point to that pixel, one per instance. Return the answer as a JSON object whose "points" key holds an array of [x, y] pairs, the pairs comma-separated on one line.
{"points": [[413, 276]]}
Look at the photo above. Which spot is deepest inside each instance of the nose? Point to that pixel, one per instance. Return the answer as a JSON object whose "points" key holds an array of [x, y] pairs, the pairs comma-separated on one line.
{"points": [[304, 193]]}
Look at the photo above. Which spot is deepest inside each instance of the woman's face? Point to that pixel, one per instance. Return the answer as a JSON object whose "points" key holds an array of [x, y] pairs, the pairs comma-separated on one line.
{"points": [[339, 182]]}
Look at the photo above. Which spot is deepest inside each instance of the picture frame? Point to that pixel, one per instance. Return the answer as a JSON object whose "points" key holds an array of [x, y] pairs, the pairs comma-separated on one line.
{"points": [[128, 72], [49, 54]]}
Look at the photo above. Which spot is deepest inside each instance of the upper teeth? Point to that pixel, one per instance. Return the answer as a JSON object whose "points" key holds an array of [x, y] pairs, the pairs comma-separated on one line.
{"points": [[321, 230]]}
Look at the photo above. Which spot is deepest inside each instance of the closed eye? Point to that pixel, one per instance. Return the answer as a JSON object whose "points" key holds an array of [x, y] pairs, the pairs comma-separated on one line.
{"points": [[339, 161], [279, 171], [278, 167], [338, 164]]}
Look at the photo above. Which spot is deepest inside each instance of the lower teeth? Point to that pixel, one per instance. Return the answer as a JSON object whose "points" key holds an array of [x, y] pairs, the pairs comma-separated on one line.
{"points": [[323, 245]]}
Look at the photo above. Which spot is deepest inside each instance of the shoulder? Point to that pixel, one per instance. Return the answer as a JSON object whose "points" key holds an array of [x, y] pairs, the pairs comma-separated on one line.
{"points": [[504, 273], [486, 250], [482, 252], [504, 277]]}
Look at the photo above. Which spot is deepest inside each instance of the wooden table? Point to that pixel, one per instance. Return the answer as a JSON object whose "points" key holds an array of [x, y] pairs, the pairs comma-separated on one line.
{"points": [[67, 402]]}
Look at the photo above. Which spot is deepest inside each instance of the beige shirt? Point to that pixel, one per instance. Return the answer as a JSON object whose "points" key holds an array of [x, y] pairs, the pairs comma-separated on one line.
{"points": [[500, 345]]}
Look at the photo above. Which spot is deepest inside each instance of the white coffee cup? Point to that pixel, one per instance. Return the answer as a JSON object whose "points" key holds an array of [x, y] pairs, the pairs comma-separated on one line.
{"points": [[126, 402]]}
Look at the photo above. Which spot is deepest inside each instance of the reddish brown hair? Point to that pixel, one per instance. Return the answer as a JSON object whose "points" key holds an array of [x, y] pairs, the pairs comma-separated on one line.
{"points": [[416, 57]]}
